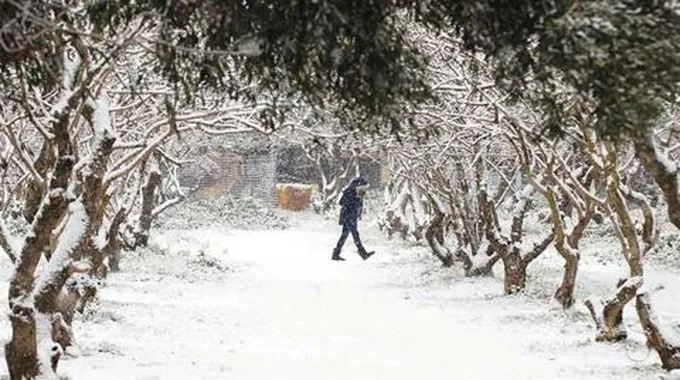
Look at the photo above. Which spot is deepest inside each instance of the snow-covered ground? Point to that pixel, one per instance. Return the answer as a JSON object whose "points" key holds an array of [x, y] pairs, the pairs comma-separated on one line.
{"points": [[214, 303]]}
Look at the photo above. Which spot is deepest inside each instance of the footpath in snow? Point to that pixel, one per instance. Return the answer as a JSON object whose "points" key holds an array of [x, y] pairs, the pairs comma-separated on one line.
{"points": [[272, 305]]}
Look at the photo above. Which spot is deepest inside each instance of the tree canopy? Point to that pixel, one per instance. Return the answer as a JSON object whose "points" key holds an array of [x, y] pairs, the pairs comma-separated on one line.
{"points": [[618, 56], [348, 52]]}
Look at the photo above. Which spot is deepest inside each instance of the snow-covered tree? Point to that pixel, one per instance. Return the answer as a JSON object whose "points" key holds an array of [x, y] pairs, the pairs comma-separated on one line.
{"points": [[104, 86]]}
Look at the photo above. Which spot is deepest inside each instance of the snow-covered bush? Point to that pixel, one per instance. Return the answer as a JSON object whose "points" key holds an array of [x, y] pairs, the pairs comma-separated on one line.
{"points": [[665, 252], [202, 261], [241, 213]]}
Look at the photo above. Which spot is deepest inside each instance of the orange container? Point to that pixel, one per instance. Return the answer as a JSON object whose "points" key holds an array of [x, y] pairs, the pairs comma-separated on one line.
{"points": [[294, 196]]}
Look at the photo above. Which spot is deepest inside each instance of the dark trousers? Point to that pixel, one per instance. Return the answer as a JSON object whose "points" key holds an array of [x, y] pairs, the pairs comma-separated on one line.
{"points": [[348, 228]]}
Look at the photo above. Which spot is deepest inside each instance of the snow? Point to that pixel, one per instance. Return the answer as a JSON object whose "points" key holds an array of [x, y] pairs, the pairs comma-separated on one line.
{"points": [[101, 117], [217, 303], [650, 288], [45, 344], [635, 282], [297, 186], [73, 233], [71, 63], [663, 157], [523, 197], [15, 243], [249, 47], [225, 212], [668, 333]]}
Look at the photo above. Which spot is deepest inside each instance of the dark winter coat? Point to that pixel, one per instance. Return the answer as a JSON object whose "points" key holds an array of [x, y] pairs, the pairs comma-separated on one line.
{"points": [[351, 203]]}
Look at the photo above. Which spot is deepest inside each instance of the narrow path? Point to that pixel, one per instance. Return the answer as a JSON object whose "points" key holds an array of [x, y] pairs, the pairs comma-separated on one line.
{"points": [[311, 318], [287, 312]]}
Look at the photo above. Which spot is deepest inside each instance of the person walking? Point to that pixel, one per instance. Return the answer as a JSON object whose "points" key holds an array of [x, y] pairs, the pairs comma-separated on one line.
{"points": [[351, 207]]}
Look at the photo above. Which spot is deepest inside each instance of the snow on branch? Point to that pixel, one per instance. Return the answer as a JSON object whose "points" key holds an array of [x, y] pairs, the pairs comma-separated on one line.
{"points": [[71, 60], [8, 243]]}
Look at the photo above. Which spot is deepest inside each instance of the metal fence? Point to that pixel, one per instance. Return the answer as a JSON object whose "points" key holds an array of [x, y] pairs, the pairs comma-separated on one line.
{"points": [[227, 174]]}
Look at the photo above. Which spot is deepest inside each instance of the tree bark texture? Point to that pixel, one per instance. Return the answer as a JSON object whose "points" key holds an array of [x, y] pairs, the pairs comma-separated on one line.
{"points": [[669, 352], [146, 215]]}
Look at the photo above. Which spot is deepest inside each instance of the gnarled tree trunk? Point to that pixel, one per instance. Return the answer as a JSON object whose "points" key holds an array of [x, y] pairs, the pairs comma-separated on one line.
{"points": [[515, 270], [664, 172], [567, 246], [395, 213], [668, 350], [141, 232], [419, 214], [36, 189], [515, 262], [608, 316], [565, 292], [28, 323], [434, 235], [113, 246]]}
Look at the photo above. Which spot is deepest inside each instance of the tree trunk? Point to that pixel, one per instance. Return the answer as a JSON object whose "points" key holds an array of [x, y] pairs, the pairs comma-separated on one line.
{"points": [[33, 332], [567, 245], [146, 215], [38, 327], [669, 352], [36, 190], [476, 263], [515, 273], [665, 176], [434, 234], [113, 246], [21, 353], [609, 316], [395, 214], [565, 293], [473, 269], [420, 222]]}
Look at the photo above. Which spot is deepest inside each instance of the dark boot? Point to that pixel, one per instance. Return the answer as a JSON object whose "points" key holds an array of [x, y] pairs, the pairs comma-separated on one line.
{"points": [[336, 255], [365, 255]]}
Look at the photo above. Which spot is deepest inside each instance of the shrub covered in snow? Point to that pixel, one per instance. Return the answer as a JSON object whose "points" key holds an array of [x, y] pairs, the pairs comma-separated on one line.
{"points": [[665, 252], [242, 213], [202, 261], [189, 262]]}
